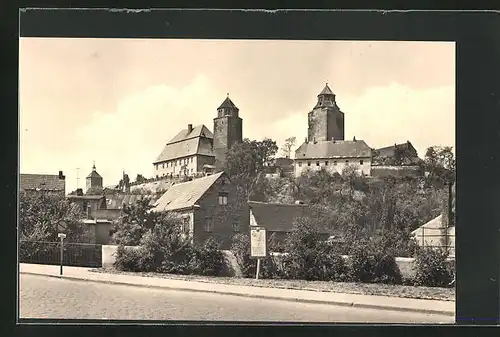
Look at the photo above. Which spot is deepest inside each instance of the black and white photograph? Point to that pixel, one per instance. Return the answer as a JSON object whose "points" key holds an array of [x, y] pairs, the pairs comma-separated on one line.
{"points": [[237, 180]]}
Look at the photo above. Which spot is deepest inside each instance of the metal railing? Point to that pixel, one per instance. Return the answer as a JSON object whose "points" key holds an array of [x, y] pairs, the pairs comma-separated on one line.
{"points": [[74, 254], [436, 237]]}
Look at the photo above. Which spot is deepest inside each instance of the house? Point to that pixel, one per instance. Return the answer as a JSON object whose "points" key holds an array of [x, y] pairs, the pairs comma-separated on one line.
{"points": [[281, 167], [209, 206], [403, 154], [88, 203], [277, 218], [333, 156], [435, 234], [196, 151], [45, 183]]}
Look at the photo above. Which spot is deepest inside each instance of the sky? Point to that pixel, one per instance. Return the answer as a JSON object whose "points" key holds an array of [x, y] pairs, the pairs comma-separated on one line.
{"points": [[118, 101]]}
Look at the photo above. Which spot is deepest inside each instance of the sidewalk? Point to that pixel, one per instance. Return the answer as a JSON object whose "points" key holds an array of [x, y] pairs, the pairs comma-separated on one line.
{"points": [[352, 300]]}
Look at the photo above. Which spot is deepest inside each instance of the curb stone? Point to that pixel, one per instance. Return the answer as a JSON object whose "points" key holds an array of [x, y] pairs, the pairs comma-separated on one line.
{"points": [[336, 303]]}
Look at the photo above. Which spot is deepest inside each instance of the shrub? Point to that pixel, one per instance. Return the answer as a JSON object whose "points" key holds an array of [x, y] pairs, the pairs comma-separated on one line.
{"points": [[432, 268], [207, 259], [373, 262], [240, 247], [269, 267], [127, 259], [309, 256], [166, 250]]}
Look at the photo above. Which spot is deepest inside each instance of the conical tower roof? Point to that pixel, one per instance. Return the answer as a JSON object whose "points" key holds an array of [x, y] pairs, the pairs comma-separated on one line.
{"points": [[227, 104], [326, 91]]}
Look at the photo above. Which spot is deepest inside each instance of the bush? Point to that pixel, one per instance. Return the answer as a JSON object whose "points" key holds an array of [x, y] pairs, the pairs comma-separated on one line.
{"points": [[269, 267], [372, 262], [310, 257], [128, 259], [208, 259], [432, 268]]}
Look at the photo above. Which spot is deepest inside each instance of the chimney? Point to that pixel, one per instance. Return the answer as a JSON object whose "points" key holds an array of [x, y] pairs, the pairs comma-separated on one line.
{"points": [[190, 128], [354, 138], [79, 192], [314, 140], [306, 140], [61, 176]]}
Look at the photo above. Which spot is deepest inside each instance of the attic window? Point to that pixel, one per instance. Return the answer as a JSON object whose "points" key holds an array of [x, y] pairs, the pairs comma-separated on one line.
{"points": [[317, 163], [222, 198], [361, 162]]}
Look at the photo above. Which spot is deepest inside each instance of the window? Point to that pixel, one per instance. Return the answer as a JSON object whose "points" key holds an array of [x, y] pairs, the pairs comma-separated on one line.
{"points": [[236, 226], [347, 161], [361, 162], [326, 163], [156, 166], [191, 159], [222, 198], [335, 163], [185, 224], [317, 163], [300, 164], [308, 163], [208, 225], [192, 170], [163, 165]]}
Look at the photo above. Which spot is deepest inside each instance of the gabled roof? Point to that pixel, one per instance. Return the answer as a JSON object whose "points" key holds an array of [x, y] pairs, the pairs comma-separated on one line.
{"points": [[227, 104], [277, 217], [333, 149], [198, 142], [185, 195], [198, 131], [326, 91], [43, 182], [388, 151]]}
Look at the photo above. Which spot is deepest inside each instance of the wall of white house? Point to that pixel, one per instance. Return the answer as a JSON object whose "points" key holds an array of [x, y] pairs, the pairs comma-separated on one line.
{"points": [[333, 165], [174, 167]]}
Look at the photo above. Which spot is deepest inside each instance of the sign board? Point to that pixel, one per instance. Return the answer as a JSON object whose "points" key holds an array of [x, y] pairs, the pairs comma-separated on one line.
{"points": [[61, 235], [258, 243], [61, 226]]}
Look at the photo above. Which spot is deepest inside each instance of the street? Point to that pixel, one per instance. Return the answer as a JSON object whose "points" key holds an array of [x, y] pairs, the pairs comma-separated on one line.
{"points": [[46, 297]]}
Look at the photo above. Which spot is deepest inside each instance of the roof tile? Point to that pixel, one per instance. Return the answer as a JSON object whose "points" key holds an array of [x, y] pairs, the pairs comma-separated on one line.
{"points": [[277, 217], [330, 149], [185, 195], [44, 182]]}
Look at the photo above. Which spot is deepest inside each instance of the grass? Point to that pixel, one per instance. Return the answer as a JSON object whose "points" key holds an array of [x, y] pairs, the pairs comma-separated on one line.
{"points": [[402, 291]]}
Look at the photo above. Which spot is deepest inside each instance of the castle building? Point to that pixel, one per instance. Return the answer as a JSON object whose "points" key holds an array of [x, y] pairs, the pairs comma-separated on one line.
{"points": [[325, 120], [93, 182], [196, 150], [325, 147]]}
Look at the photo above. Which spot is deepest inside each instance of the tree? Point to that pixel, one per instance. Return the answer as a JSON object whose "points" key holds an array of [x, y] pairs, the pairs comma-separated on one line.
{"points": [[288, 145], [140, 179], [439, 162], [41, 214], [133, 223], [245, 163]]}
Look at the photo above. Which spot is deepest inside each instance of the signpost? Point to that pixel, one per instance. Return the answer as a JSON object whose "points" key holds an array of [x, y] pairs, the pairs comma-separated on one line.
{"points": [[62, 236], [258, 245]]}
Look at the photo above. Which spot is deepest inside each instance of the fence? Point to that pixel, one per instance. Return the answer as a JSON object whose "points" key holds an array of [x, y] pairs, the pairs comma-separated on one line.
{"points": [[438, 237], [74, 254]]}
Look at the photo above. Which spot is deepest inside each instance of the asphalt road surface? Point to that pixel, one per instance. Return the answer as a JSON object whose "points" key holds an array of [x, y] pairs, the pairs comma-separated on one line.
{"points": [[46, 297]]}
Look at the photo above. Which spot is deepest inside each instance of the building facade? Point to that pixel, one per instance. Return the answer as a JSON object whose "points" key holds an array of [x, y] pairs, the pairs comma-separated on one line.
{"points": [[209, 207], [93, 182], [325, 147], [196, 151], [325, 121], [228, 129]]}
